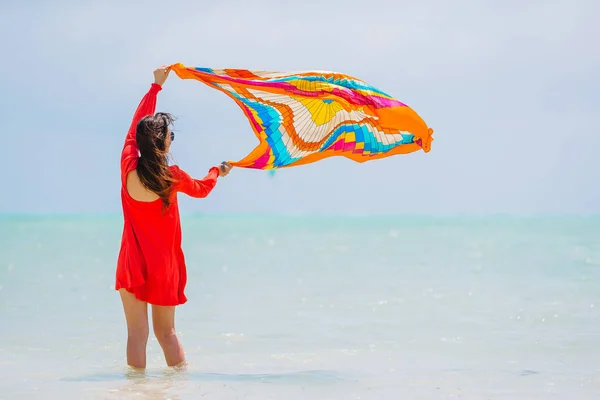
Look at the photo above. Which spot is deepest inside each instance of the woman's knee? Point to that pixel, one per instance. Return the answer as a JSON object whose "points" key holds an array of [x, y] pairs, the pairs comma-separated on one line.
{"points": [[163, 322], [138, 333], [164, 333]]}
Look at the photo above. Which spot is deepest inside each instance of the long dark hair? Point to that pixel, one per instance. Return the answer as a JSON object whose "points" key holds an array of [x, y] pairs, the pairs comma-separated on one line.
{"points": [[153, 168]]}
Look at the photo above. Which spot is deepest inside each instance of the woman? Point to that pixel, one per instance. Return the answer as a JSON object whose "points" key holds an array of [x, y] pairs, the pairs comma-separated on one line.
{"points": [[151, 266]]}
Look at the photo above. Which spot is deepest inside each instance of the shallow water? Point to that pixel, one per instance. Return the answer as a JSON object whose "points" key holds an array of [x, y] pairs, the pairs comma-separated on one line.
{"points": [[328, 308]]}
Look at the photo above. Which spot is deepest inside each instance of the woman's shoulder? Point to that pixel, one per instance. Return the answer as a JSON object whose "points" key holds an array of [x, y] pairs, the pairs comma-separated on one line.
{"points": [[176, 172]]}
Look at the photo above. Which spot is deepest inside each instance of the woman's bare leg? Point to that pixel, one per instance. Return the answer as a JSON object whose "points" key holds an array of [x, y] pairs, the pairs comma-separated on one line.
{"points": [[136, 314], [163, 321]]}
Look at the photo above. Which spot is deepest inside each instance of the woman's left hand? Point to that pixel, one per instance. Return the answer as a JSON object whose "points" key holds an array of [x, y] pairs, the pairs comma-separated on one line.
{"points": [[161, 74]]}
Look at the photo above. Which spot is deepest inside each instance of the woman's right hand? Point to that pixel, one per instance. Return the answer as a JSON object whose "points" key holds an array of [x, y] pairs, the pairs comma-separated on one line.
{"points": [[161, 74], [224, 168]]}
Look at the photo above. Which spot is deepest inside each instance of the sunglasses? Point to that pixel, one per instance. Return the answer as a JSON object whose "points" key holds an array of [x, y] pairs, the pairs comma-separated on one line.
{"points": [[172, 136]]}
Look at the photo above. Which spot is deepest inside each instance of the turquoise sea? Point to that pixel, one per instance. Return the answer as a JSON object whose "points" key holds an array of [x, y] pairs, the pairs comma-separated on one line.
{"points": [[397, 307]]}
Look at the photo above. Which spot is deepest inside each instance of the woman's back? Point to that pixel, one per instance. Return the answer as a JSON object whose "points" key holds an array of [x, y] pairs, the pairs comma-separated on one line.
{"points": [[137, 190]]}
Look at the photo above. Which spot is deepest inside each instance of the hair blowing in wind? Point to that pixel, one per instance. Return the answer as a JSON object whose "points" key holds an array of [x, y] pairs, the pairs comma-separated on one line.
{"points": [[153, 168]]}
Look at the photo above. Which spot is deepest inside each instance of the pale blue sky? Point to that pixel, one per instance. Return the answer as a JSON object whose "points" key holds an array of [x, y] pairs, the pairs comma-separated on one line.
{"points": [[512, 90]]}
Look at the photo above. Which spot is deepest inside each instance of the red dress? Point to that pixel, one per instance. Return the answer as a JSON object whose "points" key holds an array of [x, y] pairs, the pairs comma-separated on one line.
{"points": [[151, 264]]}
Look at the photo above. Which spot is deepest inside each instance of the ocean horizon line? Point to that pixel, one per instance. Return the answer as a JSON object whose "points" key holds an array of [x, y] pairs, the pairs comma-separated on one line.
{"points": [[476, 215]]}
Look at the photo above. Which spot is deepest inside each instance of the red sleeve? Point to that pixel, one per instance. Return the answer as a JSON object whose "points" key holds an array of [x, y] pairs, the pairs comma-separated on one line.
{"points": [[146, 107], [198, 188]]}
